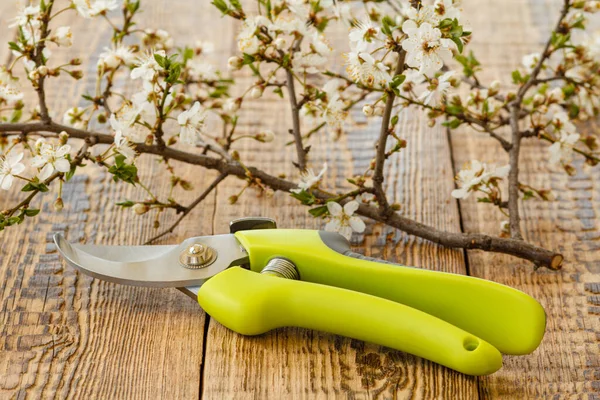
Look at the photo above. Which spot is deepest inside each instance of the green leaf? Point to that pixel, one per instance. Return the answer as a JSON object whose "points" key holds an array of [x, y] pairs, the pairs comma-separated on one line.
{"points": [[162, 61], [124, 172], [31, 212], [70, 173], [126, 204], [33, 186], [16, 116], [318, 211], [397, 81], [15, 47], [221, 5], [305, 197], [453, 123], [278, 91], [458, 42]]}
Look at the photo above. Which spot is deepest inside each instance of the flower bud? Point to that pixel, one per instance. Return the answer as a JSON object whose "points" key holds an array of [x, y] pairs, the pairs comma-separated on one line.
{"points": [[495, 85], [232, 105], [186, 185], [58, 204], [570, 170], [141, 208], [256, 92], [43, 70], [368, 110], [63, 136], [556, 95], [233, 199], [511, 96], [538, 99], [234, 63], [235, 155], [75, 61], [280, 43], [265, 136], [379, 110], [102, 118], [271, 52]]}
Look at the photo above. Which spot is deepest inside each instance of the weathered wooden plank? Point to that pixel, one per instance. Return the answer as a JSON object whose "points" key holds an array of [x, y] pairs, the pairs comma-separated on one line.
{"points": [[567, 364], [64, 334], [297, 363]]}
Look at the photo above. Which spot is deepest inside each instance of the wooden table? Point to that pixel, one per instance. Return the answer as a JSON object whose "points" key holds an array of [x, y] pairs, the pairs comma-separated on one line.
{"points": [[63, 334]]}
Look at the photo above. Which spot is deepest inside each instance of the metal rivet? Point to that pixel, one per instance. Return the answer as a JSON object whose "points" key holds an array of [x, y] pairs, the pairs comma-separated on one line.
{"points": [[197, 256]]}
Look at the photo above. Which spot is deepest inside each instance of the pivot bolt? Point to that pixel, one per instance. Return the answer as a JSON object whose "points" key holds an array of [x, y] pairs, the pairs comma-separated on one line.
{"points": [[197, 256]]}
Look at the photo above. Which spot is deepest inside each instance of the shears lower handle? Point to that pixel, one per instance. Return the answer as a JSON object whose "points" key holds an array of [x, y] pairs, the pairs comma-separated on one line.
{"points": [[251, 303], [507, 318]]}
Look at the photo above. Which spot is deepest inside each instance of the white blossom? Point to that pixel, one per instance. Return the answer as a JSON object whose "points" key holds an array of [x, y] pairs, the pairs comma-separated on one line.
{"points": [[561, 151], [308, 179], [112, 58], [103, 6], [124, 146], [10, 166], [75, 117], [146, 66], [51, 158], [9, 89], [474, 175], [363, 68], [248, 42], [63, 36], [364, 31], [343, 219], [26, 16], [159, 39], [191, 124], [426, 14], [426, 49], [529, 61], [202, 71], [437, 88], [310, 63], [123, 123]]}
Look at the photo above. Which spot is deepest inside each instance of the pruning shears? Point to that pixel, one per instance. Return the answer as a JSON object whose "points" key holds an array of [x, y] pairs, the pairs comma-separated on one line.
{"points": [[258, 278]]}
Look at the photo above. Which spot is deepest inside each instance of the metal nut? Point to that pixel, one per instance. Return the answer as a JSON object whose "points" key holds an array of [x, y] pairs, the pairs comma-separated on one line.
{"points": [[197, 256]]}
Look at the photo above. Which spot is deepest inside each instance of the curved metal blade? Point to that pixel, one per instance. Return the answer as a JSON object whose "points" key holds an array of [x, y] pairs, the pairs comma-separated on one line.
{"points": [[156, 266]]}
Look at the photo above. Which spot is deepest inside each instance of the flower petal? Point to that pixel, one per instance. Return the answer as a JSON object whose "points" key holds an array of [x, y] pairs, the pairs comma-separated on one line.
{"points": [[46, 172], [350, 207], [7, 182], [357, 224], [62, 165], [333, 226], [334, 209]]}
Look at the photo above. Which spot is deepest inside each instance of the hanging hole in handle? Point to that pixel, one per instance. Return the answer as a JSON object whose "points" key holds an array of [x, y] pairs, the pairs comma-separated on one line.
{"points": [[471, 344]]}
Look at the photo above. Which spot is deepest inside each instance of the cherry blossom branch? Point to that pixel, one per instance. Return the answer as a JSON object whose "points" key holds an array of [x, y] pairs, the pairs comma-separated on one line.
{"points": [[300, 150], [518, 248], [516, 134], [384, 207], [39, 61]]}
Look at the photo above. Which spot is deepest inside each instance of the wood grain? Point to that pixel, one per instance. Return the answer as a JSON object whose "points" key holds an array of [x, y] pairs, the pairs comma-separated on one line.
{"points": [[297, 363], [567, 364], [63, 334]]}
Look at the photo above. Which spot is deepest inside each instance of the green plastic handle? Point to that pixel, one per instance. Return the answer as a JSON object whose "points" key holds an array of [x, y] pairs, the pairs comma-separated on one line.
{"points": [[507, 318], [251, 303]]}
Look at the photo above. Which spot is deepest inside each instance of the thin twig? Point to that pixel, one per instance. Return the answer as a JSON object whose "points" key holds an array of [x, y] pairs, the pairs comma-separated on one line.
{"points": [[300, 150], [381, 144], [516, 134], [189, 208]]}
